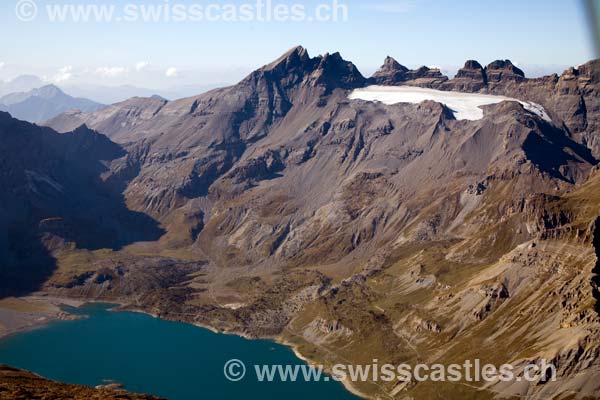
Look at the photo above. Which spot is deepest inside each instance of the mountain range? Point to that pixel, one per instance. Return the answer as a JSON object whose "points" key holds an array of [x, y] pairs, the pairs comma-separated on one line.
{"points": [[43, 103], [115, 94], [351, 230], [103, 94], [22, 83]]}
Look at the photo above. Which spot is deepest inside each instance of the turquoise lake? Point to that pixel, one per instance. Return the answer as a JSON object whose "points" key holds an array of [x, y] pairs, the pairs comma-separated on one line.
{"points": [[149, 355]]}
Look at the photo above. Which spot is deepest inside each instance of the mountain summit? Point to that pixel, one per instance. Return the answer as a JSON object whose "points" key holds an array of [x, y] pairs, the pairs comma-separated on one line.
{"points": [[43, 103], [329, 71]]}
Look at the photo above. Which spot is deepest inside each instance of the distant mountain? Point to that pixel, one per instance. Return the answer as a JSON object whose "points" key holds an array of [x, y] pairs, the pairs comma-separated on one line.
{"points": [[44, 103], [22, 83], [115, 94]]}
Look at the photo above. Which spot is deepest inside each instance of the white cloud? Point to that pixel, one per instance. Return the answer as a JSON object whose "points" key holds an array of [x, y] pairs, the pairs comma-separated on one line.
{"points": [[397, 7], [171, 72], [111, 72], [141, 65], [64, 74], [2, 64]]}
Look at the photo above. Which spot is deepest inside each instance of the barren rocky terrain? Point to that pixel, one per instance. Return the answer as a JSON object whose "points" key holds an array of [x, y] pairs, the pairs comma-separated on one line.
{"points": [[349, 229], [23, 385]]}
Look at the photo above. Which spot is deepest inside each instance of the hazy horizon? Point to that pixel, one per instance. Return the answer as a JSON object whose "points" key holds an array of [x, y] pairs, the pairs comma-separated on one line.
{"points": [[540, 38]]}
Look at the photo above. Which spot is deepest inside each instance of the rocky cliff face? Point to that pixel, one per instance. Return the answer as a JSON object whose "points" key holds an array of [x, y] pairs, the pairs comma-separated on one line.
{"points": [[470, 78], [287, 206], [503, 71], [571, 97]]}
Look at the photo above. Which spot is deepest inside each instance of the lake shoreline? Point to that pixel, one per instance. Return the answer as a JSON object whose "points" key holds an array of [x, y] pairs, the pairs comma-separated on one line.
{"points": [[24, 314], [277, 339], [125, 306], [347, 384]]}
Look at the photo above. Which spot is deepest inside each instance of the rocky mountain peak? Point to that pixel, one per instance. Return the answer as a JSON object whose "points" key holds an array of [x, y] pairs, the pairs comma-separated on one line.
{"points": [[5, 118], [425, 76], [393, 73], [84, 140], [292, 58], [472, 64], [48, 91], [335, 72], [390, 73], [471, 77], [589, 71], [390, 64], [503, 70], [83, 129], [424, 71], [330, 71]]}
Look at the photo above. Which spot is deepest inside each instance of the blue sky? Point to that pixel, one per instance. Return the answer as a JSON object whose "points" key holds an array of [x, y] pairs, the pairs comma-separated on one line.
{"points": [[539, 35]]}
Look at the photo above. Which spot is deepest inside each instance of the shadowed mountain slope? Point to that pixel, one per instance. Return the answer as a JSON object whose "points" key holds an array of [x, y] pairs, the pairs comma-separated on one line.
{"points": [[54, 191]]}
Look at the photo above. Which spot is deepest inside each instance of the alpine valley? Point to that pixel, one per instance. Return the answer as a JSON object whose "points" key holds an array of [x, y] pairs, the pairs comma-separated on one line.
{"points": [[292, 206]]}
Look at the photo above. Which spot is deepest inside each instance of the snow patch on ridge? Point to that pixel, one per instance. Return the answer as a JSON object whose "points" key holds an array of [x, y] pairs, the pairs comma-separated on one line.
{"points": [[464, 105]]}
